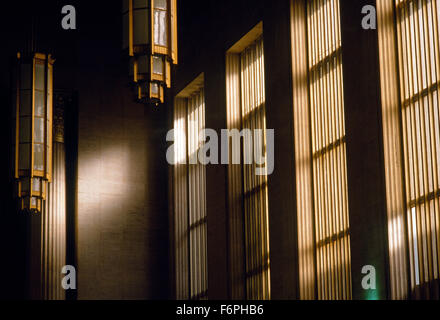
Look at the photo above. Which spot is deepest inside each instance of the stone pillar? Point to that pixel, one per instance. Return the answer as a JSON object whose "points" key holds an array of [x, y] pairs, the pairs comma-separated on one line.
{"points": [[281, 183], [365, 165]]}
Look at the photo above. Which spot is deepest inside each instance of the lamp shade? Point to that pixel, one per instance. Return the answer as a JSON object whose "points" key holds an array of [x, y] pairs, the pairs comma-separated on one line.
{"points": [[150, 40], [33, 81]]}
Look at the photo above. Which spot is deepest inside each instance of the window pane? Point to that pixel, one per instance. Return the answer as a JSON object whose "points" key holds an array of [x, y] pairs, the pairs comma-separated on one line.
{"points": [[255, 193], [158, 65], [160, 28], [39, 76], [419, 60], [38, 157], [329, 168], [39, 130], [197, 194], [160, 4], [36, 184], [40, 104], [154, 88]]}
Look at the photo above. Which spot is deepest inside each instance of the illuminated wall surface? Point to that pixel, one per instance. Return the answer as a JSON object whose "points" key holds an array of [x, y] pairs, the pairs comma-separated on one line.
{"points": [[119, 197], [122, 230]]}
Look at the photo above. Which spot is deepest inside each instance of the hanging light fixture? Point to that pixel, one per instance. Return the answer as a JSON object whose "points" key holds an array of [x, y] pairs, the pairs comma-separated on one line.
{"points": [[33, 128], [150, 38]]}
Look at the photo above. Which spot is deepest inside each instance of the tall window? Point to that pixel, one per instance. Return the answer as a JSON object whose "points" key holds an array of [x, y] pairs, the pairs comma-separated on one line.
{"points": [[190, 195], [418, 43], [323, 221], [248, 198], [413, 115]]}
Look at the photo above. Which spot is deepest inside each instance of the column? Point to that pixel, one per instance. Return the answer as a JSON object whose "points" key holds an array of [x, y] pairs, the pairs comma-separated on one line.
{"points": [[53, 245]]}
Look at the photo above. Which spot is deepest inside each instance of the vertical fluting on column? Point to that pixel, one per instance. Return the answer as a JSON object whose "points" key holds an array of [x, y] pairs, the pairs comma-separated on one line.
{"points": [[53, 246], [303, 157], [181, 201]]}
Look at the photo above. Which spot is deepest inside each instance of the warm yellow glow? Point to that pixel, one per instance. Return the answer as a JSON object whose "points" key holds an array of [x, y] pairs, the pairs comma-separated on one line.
{"points": [[112, 198], [246, 110], [410, 98], [419, 59], [235, 183], [150, 37], [180, 192], [33, 121], [329, 151], [197, 199], [323, 220], [190, 198], [255, 187]]}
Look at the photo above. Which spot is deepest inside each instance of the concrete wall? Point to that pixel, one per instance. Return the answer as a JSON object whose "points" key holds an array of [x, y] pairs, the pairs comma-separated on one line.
{"points": [[122, 235]]}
